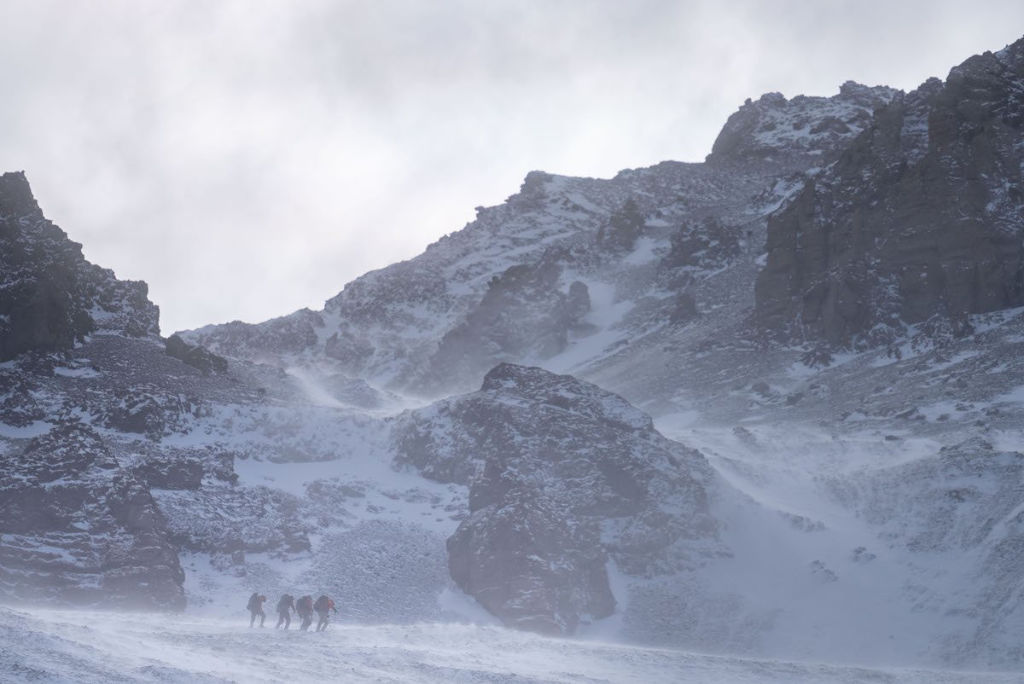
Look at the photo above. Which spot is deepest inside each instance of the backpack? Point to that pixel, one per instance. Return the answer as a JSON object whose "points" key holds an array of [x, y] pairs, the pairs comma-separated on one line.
{"points": [[305, 604], [321, 605], [284, 604], [254, 602]]}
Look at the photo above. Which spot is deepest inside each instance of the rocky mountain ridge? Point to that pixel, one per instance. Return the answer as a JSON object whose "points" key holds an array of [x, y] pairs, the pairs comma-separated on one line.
{"points": [[520, 283], [51, 296]]}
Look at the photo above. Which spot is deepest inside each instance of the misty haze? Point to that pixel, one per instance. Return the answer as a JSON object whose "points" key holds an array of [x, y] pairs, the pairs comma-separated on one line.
{"points": [[755, 418]]}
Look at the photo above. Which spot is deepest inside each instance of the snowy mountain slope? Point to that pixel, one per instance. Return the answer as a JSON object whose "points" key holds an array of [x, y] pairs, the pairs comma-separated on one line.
{"points": [[864, 503], [639, 244], [247, 484], [892, 531], [64, 646], [120, 459]]}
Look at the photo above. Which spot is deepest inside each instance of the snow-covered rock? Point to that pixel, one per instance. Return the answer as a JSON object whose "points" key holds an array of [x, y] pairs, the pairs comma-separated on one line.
{"points": [[78, 527], [50, 296], [812, 127], [563, 477]]}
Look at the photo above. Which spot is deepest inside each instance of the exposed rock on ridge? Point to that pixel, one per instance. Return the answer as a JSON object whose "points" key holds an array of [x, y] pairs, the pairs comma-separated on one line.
{"points": [[50, 295], [778, 129]]}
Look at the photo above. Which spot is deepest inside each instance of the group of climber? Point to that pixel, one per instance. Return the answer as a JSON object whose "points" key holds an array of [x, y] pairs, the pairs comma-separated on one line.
{"points": [[304, 607]]}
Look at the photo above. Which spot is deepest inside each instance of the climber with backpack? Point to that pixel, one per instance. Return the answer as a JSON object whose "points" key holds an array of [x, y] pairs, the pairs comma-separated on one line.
{"points": [[284, 611], [323, 606], [255, 607], [304, 609]]}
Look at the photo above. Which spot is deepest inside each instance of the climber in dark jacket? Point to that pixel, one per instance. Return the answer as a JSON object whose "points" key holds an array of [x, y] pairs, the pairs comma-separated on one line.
{"points": [[323, 606], [255, 607], [284, 611], [304, 608]]}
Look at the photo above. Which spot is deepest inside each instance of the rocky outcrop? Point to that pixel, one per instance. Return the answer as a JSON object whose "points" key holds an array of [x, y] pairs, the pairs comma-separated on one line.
{"points": [[78, 528], [523, 314], [812, 128], [287, 334], [563, 477], [195, 356], [920, 217], [50, 296]]}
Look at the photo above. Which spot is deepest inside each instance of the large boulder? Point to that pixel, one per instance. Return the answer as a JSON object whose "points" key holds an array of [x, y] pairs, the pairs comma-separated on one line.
{"points": [[563, 477], [195, 355]]}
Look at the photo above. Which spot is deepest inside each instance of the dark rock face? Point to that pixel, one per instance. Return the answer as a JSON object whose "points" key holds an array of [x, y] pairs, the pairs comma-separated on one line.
{"points": [[526, 563], [623, 228], [195, 356], [920, 217], [707, 245], [52, 296], [149, 410], [178, 473], [19, 406], [563, 477], [79, 528]]}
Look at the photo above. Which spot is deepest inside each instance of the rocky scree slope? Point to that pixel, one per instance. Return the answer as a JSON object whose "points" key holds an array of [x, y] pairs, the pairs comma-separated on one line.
{"points": [[563, 477]]}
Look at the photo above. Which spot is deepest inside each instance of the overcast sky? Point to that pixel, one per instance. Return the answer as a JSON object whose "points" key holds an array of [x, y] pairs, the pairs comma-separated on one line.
{"points": [[249, 158]]}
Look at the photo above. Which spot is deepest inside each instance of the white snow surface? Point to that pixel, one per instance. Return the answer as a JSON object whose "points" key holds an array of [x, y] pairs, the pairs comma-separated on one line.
{"points": [[99, 647]]}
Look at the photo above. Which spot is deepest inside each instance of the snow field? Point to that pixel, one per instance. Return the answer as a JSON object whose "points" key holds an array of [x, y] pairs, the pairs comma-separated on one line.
{"points": [[93, 647]]}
